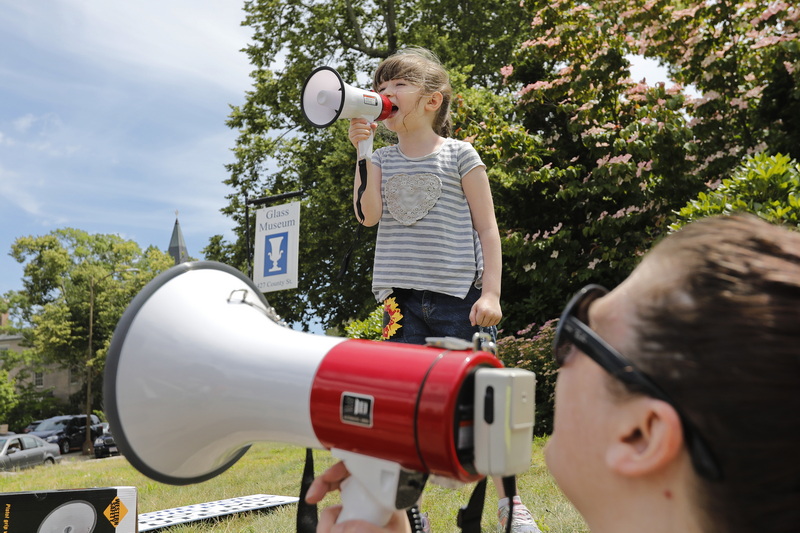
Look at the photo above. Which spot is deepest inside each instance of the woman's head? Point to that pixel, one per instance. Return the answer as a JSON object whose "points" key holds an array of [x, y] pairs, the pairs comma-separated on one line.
{"points": [[421, 68], [712, 316], [724, 340]]}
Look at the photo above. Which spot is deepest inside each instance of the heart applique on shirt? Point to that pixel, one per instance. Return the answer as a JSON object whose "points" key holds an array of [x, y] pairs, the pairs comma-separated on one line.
{"points": [[409, 197]]}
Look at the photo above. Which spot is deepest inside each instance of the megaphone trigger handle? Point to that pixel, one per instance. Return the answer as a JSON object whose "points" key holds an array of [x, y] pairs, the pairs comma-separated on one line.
{"points": [[365, 148], [371, 491]]}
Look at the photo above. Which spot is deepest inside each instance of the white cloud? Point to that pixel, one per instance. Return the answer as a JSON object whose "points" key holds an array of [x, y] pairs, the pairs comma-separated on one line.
{"points": [[112, 116], [24, 123]]}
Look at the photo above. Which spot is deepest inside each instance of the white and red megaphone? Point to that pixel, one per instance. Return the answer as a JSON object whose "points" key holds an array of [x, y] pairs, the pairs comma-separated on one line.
{"points": [[326, 98], [199, 368]]}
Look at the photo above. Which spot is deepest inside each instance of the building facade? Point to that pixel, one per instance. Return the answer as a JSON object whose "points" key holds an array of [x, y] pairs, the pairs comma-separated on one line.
{"points": [[63, 382]]}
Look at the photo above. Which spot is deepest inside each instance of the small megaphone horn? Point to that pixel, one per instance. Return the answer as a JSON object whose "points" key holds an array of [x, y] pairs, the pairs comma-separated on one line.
{"points": [[326, 98]]}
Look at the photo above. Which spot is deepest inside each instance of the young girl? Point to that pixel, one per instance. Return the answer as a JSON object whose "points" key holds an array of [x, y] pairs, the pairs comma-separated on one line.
{"points": [[438, 248], [437, 257]]}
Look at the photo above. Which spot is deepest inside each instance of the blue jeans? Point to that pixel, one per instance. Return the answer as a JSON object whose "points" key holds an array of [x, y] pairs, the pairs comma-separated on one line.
{"points": [[430, 314]]}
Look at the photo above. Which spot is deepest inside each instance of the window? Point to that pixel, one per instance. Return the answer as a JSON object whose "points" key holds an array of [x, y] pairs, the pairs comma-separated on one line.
{"points": [[38, 379]]}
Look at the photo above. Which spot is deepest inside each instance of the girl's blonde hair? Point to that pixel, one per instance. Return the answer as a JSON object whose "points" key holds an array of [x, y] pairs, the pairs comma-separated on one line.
{"points": [[420, 67]]}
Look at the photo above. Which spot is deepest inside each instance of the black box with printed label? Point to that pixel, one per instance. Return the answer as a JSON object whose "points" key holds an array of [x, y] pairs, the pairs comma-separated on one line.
{"points": [[96, 510]]}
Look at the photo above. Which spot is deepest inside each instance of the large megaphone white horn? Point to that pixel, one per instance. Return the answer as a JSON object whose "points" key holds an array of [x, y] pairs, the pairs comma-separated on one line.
{"points": [[199, 368]]}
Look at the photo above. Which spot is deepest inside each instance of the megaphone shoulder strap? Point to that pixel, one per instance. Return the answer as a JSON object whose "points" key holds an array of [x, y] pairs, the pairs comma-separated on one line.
{"points": [[307, 512], [362, 172], [469, 516]]}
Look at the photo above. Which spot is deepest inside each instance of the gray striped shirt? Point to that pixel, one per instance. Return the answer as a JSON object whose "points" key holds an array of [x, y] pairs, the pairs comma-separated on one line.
{"points": [[426, 240]]}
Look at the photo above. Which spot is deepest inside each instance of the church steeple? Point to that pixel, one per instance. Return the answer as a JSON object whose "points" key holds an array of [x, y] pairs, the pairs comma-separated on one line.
{"points": [[177, 246]]}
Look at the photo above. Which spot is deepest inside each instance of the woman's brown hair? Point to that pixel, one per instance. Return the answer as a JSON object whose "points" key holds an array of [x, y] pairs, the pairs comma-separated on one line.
{"points": [[722, 337]]}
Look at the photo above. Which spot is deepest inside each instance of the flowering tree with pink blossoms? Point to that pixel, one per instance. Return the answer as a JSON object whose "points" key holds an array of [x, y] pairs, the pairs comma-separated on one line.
{"points": [[615, 158]]}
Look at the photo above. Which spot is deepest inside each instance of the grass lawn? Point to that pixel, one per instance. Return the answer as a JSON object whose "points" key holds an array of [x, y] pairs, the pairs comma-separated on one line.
{"points": [[269, 468]]}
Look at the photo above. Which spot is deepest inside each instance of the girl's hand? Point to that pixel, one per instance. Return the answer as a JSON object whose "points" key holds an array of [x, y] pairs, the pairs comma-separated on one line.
{"points": [[361, 130], [331, 480], [486, 312]]}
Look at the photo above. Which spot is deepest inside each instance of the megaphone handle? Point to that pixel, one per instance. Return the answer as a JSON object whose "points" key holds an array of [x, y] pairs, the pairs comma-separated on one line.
{"points": [[365, 148], [358, 503], [370, 493]]}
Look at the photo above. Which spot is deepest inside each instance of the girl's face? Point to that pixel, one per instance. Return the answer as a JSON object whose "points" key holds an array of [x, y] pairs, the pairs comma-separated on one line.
{"points": [[410, 104]]}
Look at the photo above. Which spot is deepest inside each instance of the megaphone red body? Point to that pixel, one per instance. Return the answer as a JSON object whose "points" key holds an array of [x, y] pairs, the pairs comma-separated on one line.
{"points": [[201, 347]]}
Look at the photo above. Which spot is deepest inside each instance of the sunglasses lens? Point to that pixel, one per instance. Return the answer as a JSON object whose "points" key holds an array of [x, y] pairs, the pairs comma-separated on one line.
{"points": [[579, 309], [562, 349]]}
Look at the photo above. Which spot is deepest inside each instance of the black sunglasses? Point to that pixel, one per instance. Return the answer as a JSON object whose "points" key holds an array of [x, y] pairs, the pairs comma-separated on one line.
{"points": [[573, 331]]}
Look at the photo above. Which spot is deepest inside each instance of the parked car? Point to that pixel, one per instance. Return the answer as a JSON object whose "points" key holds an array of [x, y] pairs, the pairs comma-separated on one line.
{"points": [[68, 431], [26, 451], [105, 445], [33, 425]]}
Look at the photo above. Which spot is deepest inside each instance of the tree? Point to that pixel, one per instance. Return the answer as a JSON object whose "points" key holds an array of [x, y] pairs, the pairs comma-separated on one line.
{"points": [[621, 156], [767, 186], [278, 151], [8, 396], [75, 283], [610, 161], [744, 59]]}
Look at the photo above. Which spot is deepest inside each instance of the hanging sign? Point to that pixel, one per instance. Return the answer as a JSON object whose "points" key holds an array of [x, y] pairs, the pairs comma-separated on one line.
{"points": [[276, 247]]}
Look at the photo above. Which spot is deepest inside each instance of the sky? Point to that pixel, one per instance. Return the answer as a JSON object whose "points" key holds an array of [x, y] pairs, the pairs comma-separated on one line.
{"points": [[112, 118]]}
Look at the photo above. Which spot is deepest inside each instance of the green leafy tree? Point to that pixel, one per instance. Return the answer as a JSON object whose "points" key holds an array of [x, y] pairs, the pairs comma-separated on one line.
{"points": [[767, 186], [76, 286], [610, 169], [743, 58], [33, 404], [8, 396]]}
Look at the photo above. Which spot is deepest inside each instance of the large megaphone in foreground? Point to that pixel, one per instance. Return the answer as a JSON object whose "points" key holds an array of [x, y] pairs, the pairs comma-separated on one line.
{"points": [[326, 98], [199, 368]]}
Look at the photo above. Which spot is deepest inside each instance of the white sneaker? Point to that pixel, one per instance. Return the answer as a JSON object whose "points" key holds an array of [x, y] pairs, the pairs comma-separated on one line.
{"points": [[522, 521]]}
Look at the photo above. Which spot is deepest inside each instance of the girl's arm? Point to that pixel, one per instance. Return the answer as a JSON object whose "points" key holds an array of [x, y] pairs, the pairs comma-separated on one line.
{"points": [[486, 311], [371, 201]]}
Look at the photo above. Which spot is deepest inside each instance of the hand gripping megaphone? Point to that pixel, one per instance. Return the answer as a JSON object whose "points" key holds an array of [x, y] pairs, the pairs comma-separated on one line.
{"points": [[200, 346], [326, 98]]}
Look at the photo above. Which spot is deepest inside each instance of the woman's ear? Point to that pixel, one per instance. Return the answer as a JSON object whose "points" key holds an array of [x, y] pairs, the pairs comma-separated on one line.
{"points": [[648, 438]]}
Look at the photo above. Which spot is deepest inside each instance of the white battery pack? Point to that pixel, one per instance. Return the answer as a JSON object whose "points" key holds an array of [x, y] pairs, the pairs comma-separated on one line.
{"points": [[504, 416]]}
